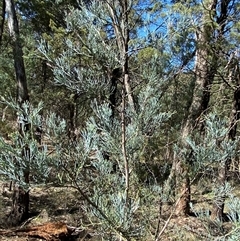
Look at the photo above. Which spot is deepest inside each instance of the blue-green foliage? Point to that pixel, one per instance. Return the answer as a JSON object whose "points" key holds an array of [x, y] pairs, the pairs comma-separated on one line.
{"points": [[22, 152], [214, 147], [100, 158], [102, 135], [209, 154]]}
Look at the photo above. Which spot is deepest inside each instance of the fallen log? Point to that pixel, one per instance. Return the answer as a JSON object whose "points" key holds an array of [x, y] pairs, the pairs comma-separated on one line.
{"points": [[50, 231]]}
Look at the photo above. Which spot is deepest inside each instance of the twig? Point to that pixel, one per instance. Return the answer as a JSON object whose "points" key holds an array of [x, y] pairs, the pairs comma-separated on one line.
{"points": [[167, 222], [27, 221], [170, 217]]}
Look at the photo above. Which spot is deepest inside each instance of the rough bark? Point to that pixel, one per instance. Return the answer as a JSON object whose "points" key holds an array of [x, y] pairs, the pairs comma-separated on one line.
{"points": [[20, 206], [218, 207], [233, 165], [22, 90], [205, 69], [19, 211], [183, 189], [2, 22], [234, 77]]}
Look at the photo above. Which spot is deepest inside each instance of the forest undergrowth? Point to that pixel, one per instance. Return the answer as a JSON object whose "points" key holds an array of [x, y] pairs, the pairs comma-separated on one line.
{"points": [[63, 204]]}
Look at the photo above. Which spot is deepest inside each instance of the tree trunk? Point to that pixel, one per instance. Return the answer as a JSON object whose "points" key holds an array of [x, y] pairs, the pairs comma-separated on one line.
{"points": [[121, 30], [126, 91], [233, 164], [205, 69], [234, 77], [120, 23], [2, 22], [20, 206], [19, 211], [218, 208], [182, 189], [22, 90]]}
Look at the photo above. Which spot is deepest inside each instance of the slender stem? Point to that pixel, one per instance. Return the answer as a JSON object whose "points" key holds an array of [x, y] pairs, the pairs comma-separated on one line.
{"points": [[93, 204], [124, 152]]}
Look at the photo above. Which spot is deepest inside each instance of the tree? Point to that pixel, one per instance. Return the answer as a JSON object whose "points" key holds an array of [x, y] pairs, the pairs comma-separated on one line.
{"points": [[20, 206], [204, 72], [209, 45], [233, 72], [111, 144], [42, 14]]}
